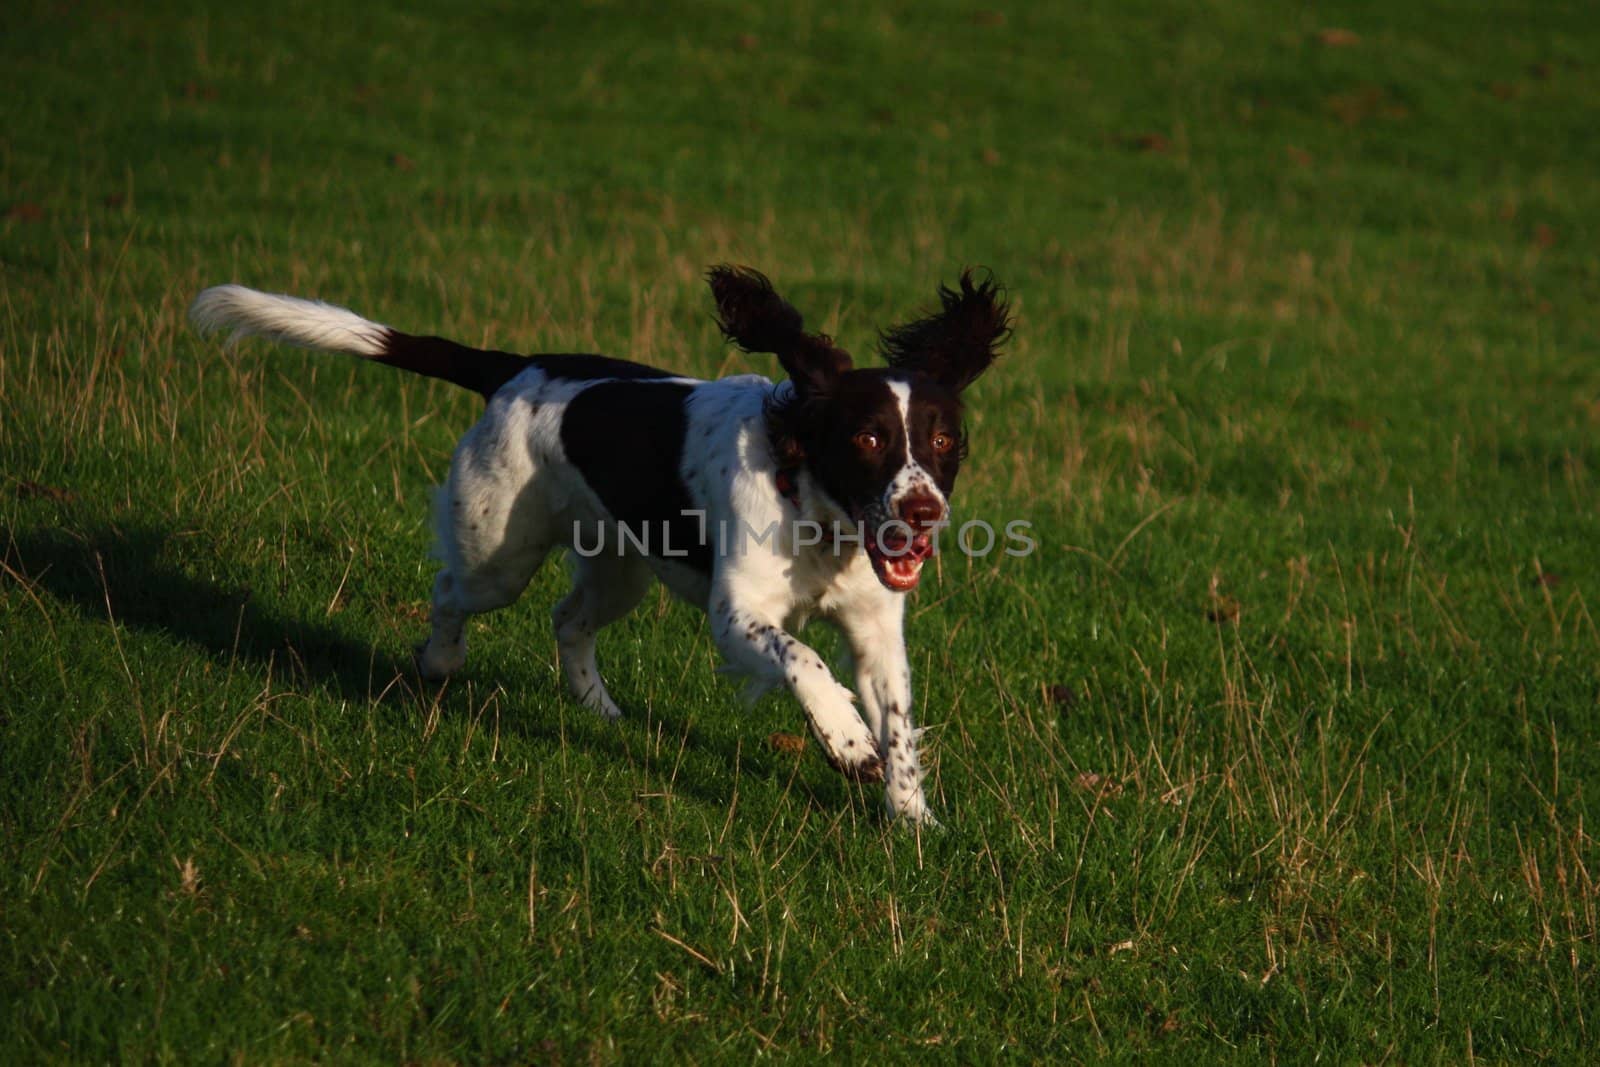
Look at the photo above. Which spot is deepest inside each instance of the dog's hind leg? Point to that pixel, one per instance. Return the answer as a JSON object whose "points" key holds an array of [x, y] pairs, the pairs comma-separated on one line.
{"points": [[493, 533], [604, 588], [461, 591], [458, 596]]}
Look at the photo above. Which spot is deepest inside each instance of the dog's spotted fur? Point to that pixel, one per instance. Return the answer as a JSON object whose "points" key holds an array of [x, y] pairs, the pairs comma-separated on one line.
{"points": [[579, 450]]}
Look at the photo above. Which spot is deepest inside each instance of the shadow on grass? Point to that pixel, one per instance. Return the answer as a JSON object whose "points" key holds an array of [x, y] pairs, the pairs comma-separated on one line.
{"points": [[129, 573]]}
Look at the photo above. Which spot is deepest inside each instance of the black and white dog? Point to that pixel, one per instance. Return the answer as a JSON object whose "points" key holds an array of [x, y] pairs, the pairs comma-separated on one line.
{"points": [[762, 504]]}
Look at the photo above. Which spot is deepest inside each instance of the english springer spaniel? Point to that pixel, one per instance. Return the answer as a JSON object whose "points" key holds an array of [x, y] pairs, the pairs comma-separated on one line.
{"points": [[761, 504]]}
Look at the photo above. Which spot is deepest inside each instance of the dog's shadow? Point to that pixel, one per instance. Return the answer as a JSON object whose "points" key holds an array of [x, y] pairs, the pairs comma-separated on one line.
{"points": [[128, 573]]}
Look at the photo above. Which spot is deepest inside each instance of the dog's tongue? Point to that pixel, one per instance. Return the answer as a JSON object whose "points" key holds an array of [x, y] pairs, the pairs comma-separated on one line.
{"points": [[898, 561], [902, 573]]}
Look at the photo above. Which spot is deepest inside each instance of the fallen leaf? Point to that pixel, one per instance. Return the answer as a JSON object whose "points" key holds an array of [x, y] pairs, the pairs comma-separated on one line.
{"points": [[1099, 785], [1365, 102], [1223, 609], [1335, 37], [402, 162], [791, 743], [188, 875], [1544, 236], [35, 491], [991, 156], [1063, 696]]}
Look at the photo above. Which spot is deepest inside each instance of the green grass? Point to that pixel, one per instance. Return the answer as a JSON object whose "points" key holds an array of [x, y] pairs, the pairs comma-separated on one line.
{"points": [[1283, 745]]}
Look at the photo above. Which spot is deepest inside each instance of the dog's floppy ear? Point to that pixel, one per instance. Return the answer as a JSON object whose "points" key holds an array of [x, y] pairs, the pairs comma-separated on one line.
{"points": [[956, 343], [754, 317]]}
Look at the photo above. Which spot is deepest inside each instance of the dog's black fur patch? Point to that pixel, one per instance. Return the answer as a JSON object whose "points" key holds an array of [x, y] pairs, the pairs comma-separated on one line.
{"points": [[484, 371], [626, 438]]}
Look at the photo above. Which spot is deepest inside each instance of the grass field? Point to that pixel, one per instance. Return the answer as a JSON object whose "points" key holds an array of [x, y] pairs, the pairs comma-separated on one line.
{"points": [[1283, 745]]}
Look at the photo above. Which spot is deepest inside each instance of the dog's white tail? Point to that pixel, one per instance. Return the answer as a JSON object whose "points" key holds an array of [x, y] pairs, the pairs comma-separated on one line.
{"points": [[313, 324], [307, 323]]}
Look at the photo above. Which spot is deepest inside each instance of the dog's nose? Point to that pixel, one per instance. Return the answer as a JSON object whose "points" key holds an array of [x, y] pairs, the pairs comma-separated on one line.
{"points": [[920, 512]]}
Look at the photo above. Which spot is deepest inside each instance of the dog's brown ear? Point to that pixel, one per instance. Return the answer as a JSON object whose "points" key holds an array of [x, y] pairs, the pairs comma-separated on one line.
{"points": [[955, 344], [753, 316]]}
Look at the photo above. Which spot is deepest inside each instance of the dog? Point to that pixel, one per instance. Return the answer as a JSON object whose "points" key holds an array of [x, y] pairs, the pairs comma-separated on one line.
{"points": [[762, 504]]}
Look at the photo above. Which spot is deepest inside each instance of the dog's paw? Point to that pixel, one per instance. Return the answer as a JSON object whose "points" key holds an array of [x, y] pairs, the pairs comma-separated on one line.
{"points": [[604, 707], [912, 813], [847, 744], [597, 700], [435, 665], [868, 770]]}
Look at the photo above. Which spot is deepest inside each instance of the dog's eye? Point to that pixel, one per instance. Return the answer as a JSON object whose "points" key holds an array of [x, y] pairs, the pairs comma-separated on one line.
{"points": [[943, 442], [868, 442]]}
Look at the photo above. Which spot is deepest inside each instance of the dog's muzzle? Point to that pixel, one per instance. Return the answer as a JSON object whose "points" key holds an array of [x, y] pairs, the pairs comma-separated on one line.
{"points": [[899, 546]]}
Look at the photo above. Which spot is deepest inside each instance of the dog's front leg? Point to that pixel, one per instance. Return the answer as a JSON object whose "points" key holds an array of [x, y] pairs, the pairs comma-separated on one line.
{"points": [[883, 677], [755, 644]]}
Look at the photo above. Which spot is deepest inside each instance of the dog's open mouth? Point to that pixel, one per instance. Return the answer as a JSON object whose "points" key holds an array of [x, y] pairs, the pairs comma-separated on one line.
{"points": [[897, 556]]}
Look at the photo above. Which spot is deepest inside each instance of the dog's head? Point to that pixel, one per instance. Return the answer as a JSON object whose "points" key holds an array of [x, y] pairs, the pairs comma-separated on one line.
{"points": [[883, 444]]}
